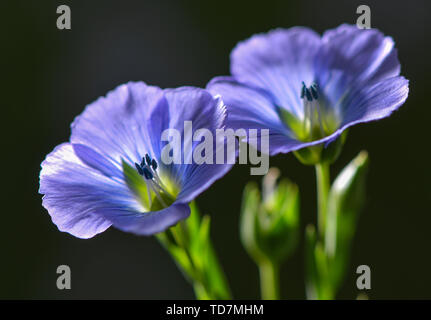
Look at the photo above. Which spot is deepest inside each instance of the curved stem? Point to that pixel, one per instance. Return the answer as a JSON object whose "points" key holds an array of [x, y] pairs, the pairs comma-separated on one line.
{"points": [[323, 185], [269, 280]]}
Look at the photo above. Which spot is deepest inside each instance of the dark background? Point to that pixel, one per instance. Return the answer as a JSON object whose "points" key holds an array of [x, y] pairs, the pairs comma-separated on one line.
{"points": [[48, 76]]}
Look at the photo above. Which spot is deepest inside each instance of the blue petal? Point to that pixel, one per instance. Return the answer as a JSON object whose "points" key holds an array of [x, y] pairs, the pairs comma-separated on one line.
{"points": [[251, 104], [204, 111], [375, 101], [150, 222], [115, 126], [96, 161], [253, 108], [350, 57], [370, 103], [364, 54], [278, 61], [83, 201], [73, 192]]}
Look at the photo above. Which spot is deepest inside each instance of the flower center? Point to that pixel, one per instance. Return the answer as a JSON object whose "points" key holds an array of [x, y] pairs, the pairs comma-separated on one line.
{"points": [[313, 122], [155, 187], [316, 121]]}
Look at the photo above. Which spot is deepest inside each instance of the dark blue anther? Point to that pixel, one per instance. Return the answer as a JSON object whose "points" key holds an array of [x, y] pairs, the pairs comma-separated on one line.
{"points": [[148, 159], [308, 94], [138, 167], [303, 90], [147, 174], [154, 164], [313, 89]]}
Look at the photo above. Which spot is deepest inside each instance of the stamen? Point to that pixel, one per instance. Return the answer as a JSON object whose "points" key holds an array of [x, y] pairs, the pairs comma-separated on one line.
{"points": [[308, 94], [148, 159], [158, 196], [147, 169], [147, 174], [303, 90], [138, 167], [150, 200], [311, 107], [154, 164], [313, 89]]}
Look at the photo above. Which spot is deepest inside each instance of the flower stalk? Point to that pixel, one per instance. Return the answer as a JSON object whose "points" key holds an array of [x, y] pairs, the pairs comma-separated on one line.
{"points": [[189, 245], [323, 185], [328, 248], [269, 272]]}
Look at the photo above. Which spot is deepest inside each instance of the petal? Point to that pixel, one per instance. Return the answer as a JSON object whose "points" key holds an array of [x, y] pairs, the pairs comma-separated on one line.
{"points": [[74, 192], [365, 53], [350, 56], [150, 222], [115, 126], [96, 161], [197, 105], [246, 103], [253, 108], [198, 178], [204, 111], [375, 101], [278, 61]]}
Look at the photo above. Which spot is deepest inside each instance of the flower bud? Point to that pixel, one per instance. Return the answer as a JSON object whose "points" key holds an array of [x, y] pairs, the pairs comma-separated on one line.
{"points": [[270, 222]]}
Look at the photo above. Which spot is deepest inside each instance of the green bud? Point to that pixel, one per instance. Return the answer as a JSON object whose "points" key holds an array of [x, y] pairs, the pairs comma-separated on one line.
{"points": [[269, 223], [345, 201]]}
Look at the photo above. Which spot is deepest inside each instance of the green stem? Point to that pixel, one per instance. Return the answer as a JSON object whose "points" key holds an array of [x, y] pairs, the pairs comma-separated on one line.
{"points": [[201, 293], [269, 280], [323, 185], [208, 280]]}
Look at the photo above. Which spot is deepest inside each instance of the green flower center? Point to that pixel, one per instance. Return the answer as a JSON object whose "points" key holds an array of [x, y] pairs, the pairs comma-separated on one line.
{"points": [[317, 121], [153, 189]]}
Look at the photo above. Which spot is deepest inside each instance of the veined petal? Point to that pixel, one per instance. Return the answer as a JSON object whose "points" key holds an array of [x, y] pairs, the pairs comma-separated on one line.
{"points": [[115, 126], [365, 54], [248, 103], [74, 192], [253, 108], [96, 161], [278, 61], [205, 112], [150, 222], [375, 101]]}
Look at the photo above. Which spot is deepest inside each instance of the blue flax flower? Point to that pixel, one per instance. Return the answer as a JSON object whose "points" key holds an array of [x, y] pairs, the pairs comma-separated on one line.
{"points": [[307, 89], [111, 173]]}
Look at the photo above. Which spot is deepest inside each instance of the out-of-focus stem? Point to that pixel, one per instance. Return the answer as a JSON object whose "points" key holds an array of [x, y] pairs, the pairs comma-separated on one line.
{"points": [[323, 185], [269, 280]]}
